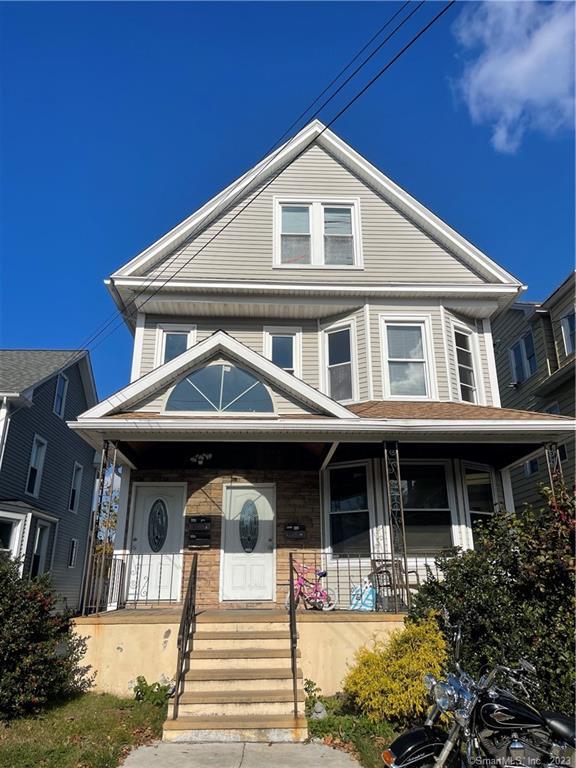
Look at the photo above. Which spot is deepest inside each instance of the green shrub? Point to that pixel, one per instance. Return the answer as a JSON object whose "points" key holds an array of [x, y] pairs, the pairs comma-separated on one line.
{"points": [[39, 652], [152, 693], [386, 681], [514, 596], [349, 728]]}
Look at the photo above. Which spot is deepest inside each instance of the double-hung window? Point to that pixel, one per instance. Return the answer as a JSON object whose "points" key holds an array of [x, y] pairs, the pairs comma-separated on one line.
{"points": [[427, 514], [339, 364], [523, 358], [60, 395], [569, 332], [349, 515], [406, 359], [72, 553], [75, 488], [36, 466], [39, 563], [173, 340], [479, 495], [282, 347], [465, 360], [317, 234]]}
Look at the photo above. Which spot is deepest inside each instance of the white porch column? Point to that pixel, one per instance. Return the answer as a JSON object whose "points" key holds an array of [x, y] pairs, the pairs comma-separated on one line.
{"points": [[507, 488], [122, 515]]}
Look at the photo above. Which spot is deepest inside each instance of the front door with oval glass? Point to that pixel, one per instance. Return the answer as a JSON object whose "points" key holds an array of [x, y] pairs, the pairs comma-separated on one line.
{"points": [[248, 542], [155, 561]]}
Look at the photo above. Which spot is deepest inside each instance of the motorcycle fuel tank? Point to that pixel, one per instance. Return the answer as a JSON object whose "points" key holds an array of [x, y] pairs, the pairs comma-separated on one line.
{"points": [[500, 711]]}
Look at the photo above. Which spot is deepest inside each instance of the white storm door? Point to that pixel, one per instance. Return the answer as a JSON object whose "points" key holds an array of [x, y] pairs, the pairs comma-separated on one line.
{"points": [[155, 560], [248, 542]]}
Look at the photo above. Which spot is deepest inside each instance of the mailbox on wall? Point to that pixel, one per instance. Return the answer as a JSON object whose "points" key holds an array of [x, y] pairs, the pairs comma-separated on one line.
{"points": [[198, 532], [295, 531]]}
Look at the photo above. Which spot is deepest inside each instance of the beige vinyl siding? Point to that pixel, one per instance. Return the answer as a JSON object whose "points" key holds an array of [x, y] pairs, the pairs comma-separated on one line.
{"points": [[481, 371], [248, 332], [410, 310], [395, 250]]}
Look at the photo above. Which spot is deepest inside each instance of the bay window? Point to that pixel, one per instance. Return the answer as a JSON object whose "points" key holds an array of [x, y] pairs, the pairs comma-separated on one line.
{"points": [[523, 358], [465, 365], [339, 364], [406, 363]]}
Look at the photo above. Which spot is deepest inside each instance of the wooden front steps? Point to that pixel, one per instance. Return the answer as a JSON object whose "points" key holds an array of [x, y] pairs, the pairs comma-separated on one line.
{"points": [[238, 683]]}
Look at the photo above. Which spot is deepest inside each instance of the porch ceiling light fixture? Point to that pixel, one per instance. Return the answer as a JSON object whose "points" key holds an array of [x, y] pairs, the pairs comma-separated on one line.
{"points": [[200, 458]]}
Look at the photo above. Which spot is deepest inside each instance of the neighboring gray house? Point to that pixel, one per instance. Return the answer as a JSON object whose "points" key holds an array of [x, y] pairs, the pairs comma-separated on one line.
{"points": [[46, 470], [534, 350]]}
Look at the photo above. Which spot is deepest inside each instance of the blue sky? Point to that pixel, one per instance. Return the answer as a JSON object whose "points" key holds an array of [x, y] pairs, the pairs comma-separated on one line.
{"points": [[120, 119]]}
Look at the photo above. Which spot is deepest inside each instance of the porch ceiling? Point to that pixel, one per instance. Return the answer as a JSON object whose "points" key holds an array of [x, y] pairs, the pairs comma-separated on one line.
{"points": [[305, 456]]}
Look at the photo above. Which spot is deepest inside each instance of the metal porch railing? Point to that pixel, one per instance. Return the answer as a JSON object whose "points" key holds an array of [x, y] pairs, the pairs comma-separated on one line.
{"points": [[368, 582]]}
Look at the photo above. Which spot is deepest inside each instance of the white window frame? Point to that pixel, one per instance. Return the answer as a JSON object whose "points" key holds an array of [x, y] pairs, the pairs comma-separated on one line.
{"points": [[476, 363], [527, 374], [457, 538], [18, 522], [425, 321], [568, 348], [39, 470], [316, 206], [162, 329], [372, 518], [77, 496], [349, 324], [72, 553], [65, 378], [295, 333], [468, 512], [43, 565], [528, 471]]}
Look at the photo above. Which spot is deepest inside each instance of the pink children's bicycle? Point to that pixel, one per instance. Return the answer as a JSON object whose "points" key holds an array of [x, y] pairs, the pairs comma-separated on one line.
{"points": [[311, 592]]}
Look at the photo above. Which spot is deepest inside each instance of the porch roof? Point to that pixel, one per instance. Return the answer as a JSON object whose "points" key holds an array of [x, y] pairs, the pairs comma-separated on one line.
{"points": [[371, 421]]}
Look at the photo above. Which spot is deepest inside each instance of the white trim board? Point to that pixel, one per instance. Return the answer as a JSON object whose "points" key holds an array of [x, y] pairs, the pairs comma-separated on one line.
{"points": [[219, 342], [330, 142]]}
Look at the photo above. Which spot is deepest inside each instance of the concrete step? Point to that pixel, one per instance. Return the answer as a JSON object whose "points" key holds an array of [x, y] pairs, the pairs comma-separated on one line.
{"points": [[239, 703], [234, 680], [269, 728], [234, 625], [229, 640], [240, 658]]}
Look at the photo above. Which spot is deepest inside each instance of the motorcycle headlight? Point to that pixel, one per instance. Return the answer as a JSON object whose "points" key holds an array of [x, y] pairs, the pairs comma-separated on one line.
{"points": [[429, 682], [445, 696]]}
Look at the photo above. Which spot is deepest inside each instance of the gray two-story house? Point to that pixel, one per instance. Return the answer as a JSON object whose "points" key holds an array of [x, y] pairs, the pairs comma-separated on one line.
{"points": [[534, 350], [313, 381], [46, 470]]}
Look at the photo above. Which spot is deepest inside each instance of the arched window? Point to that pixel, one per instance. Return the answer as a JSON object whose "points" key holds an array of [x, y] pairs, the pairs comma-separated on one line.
{"points": [[220, 388]]}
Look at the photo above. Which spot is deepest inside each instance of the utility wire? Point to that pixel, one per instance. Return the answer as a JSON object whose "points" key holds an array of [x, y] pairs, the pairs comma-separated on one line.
{"points": [[339, 114], [363, 90], [127, 310]]}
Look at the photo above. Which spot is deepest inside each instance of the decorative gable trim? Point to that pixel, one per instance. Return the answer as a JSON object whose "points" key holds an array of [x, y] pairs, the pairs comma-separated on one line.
{"points": [[219, 342], [326, 139]]}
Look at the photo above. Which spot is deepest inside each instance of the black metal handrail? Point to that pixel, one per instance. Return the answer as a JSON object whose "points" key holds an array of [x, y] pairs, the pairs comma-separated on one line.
{"points": [[293, 636], [186, 627]]}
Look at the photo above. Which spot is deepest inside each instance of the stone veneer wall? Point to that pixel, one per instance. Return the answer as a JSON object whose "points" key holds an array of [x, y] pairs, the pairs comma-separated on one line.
{"points": [[297, 501]]}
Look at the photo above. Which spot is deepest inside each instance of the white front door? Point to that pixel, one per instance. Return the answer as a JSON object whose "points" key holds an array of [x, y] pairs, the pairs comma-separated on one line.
{"points": [[155, 559], [248, 542]]}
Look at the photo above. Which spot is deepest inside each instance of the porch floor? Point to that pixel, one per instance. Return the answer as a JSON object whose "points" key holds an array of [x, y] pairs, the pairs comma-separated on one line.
{"points": [[171, 615]]}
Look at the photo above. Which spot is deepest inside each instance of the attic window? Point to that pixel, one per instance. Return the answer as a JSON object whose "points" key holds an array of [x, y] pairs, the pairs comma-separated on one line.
{"points": [[220, 388], [317, 233]]}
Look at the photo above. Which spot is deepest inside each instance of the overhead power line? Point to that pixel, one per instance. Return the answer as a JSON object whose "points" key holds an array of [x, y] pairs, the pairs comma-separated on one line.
{"points": [[339, 114]]}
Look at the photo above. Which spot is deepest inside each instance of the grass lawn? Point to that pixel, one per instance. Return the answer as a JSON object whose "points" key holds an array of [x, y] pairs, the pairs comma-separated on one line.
{"points": [[92, 731], [355, 734]]}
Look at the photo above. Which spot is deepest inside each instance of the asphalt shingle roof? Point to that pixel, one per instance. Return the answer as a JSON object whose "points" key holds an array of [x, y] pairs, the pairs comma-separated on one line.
{"points": [[23, 368]]}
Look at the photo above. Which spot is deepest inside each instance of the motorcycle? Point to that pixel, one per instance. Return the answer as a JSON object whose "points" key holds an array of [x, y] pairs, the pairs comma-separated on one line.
{"points": [[490, 725]]}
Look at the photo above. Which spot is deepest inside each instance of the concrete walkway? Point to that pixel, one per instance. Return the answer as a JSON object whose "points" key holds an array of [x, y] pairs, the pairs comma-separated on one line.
{"points": [[171, 755]]}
